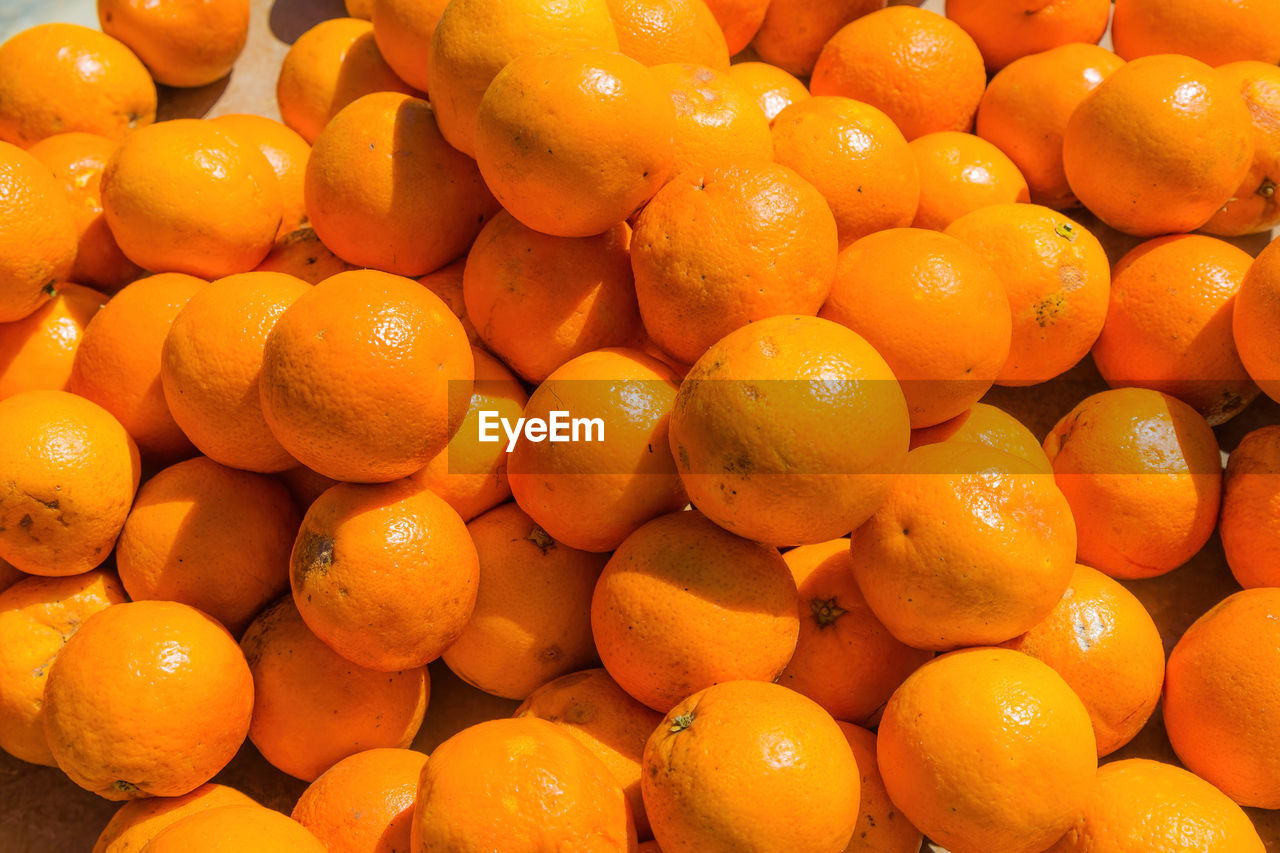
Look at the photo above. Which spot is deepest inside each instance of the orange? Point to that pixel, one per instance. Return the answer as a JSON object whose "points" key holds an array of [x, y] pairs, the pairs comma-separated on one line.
{"points": [[364, 376], [362, 9], [1140, 805], [285, 150], [718, 249], [38, 237], [1250, 504], [210, 366], [522, 784], [163, 688], [59, 78], [1005, 769], [118, 362], [1101, 640], [683, 604], [191, 522], [1254, 207], [184, 196], [1143, 476], [653, 32], [773, 89], [1169, 324], [1057, 277], [36, 352], [856, 157], [301, 254], [961, 173], [758, 430], [537, 301], [305, 485], [794, 31], [1007, 30], [78, 160], [593, 709], [591, 494], [881, 827], [364, 802], [313, 708], [446, 283], [243, 828], [329, 66], [386, 575], [61, 512], [1159, 146], [531, 621], [37, 617], [845, 659], [182, 42], [403, 30], [1212, 31], [475, 39], [739, 19], [469, 474], [944, 368], [138, 821], [1254, 317], [746, 765], [922, 70], [607, 127], [1220, 684], [991, 426], [717, 122], [9, 575], [1025, 109], [972, 547]]}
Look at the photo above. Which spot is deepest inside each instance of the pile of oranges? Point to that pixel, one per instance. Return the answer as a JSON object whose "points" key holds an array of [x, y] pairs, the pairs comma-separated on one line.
{"points": [[804, 588]]}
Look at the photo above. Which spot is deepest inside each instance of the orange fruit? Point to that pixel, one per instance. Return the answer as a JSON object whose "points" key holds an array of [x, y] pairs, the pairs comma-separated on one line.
{"points": [[1219, 684], [386, 574], [329, 66], [1252, 320], [599, 714], [1101, 640], [1007, 30], [739, 19], [718, 249], [794, 32], [36, 352], [38, 240], [653, 32], [881, 827], [1169, 324], [961, 173], [9, 575], [364, 802], [605, 123], [243, 828], [1253, 208], [1025, 109], [475, 39], [717, 122], [37, 617], [1212, 31], [505, 785], [1140, 805], [756, 425], [117, 364], [1143, 476], [301, 254], [1159, 146], [60, 78], [1007, 769], [1057, 277], [362, 9], [773, 89], [210, 365], [990, 426], [364, 375], [845, 659], [734, 766], [1250, 500], [285, 150], [921, 69], [856, 157], [683, 604], [138, 821], [193, 520], [385, 190], [182, 42], [592, 493], [62, 512], [531, 621], [305, 485], [402, 28], [313, 708], [972, 547], [943, 368], [163, 688], [537, 301], [446, 283]]}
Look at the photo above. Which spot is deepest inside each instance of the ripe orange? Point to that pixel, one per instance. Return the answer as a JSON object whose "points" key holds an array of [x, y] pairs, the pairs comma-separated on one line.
{"points": [[881, 827], [991, 426], [364, 802], [653, 32], [446, 283], [1254, 208], [794, 31], [243, 828], [301, 254], [402, 29], [1250, 500], [739, 19], [717, 121], [38, 237], [1212, 31], [773, 89], [1254, 317], [285, 150], [961, 173], [36, 352], [138, 821], [1007, 30], [182, 42]]}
